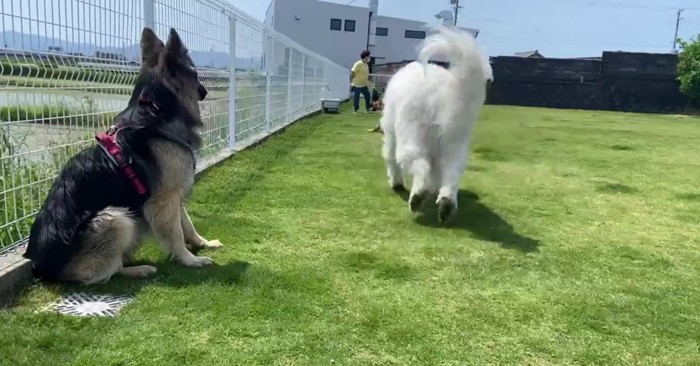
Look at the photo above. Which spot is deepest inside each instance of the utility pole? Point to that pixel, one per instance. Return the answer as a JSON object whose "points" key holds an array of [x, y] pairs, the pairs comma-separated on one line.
{"points": [[457, 7], [678, 22]]}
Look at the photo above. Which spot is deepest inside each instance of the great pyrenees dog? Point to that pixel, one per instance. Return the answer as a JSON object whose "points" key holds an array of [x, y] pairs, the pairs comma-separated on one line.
{"points": [[429, 115]]}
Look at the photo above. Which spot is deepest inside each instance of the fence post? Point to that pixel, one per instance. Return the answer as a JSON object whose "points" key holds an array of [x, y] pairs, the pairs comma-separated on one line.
{"points": [[268, 81], [326, 85], [303, 84], [232, 83], [289, 85], [149, 13]]}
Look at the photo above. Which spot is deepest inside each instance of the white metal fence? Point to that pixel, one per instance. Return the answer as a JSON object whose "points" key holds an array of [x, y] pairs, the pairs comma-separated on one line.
{"points": [[67, 67]]}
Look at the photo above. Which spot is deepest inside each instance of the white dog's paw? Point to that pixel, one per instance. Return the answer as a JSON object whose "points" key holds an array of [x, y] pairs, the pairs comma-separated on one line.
{"points": [[398, 188], [211, 244], [197, 261], [446, 208], [416, 201]]}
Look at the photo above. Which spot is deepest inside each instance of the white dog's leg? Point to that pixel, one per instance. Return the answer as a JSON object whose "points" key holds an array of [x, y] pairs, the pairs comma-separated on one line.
{"points": [[393, 170], [421, 183], [453, 161]]}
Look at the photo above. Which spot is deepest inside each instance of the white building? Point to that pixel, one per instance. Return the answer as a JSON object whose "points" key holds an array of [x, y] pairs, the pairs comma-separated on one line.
{"points": [[341, 32]]}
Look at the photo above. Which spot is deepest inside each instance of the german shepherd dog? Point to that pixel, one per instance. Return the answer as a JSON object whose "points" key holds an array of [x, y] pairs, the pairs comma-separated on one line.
{"points": [[134, 182]]}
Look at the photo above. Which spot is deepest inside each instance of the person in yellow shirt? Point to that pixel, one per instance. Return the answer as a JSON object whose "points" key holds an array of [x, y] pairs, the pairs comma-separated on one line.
{"points": [[359, 79]]}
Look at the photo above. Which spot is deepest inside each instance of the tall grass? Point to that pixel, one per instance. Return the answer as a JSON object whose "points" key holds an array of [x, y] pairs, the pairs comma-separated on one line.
{"points": [[24, 181], [15, 202]]}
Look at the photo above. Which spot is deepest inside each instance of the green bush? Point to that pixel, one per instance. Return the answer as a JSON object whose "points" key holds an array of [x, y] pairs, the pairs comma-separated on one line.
{"points": [[30, 113], [113, 77], [87, 116], [689, 68], [45, 71], [47, 83]]}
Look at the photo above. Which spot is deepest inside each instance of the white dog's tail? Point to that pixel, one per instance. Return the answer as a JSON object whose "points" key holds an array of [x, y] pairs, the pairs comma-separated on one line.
{"points": [[460, 48]]}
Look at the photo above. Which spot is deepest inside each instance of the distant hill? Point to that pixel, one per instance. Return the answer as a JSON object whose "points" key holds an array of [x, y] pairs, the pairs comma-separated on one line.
{"points": [[37, 43]]}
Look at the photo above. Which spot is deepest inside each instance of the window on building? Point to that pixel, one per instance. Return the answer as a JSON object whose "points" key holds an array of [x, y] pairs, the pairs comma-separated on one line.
{"points": [[381, 31], [414, 34], [336, 24], [349, 25]]}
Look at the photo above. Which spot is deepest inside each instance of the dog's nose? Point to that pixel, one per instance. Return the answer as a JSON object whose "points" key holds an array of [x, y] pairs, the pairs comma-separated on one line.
{"points": [[202, 92]]}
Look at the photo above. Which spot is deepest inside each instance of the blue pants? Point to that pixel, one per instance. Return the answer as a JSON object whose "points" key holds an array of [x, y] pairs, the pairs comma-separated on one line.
{"points": [[356, 91]]}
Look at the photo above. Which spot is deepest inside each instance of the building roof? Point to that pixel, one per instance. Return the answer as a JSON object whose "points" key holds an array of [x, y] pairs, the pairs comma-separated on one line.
{"points": [[343, 5], [533, 53], [472, 30]]}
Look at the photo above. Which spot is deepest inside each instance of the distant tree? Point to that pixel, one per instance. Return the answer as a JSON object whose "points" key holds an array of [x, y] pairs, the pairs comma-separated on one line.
{"points": [[689, 68]]}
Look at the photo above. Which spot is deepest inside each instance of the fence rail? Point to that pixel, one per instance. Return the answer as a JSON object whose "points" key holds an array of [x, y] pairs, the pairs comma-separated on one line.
{"points": [[68, 66]]}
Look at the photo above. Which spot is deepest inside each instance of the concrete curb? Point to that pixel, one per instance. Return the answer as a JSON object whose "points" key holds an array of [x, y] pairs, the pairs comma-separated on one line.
{"points": [[16, 271], [15, 275]]}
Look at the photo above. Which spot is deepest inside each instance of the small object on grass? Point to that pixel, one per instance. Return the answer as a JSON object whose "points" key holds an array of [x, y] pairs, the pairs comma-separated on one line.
{"points": [[84, 305]]}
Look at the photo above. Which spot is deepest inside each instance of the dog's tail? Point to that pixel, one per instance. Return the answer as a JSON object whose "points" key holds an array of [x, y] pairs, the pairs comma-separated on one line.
{"points": [[460, 48]]}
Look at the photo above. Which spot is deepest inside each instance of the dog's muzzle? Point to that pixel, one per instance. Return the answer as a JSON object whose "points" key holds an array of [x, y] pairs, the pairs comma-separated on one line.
{"points": [[202, 92]]}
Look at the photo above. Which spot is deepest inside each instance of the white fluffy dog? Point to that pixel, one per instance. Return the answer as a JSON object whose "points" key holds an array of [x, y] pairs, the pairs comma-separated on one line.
{"points": [[428, 117]]}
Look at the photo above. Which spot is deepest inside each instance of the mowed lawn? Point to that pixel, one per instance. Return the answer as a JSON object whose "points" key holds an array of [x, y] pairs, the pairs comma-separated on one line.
{"points": [[576, 242]]}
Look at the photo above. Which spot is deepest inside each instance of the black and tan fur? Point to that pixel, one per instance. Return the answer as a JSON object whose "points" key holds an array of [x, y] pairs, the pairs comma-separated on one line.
{"points": [[93, 220]]}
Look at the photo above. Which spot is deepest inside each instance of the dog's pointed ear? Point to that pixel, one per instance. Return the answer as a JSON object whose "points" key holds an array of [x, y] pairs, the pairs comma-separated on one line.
{"points": [[174, 47], [151, 48]]}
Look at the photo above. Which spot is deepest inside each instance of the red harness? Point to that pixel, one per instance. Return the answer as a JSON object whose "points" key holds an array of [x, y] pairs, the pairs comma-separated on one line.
{"points": [[108, 142]]}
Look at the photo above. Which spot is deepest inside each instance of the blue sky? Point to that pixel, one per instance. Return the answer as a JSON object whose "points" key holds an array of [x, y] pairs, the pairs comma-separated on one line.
{"points": [[557, 28]]}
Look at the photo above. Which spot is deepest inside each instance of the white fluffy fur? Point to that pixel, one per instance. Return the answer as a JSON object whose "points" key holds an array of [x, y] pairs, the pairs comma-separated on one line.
{"points": [[429, 114]]}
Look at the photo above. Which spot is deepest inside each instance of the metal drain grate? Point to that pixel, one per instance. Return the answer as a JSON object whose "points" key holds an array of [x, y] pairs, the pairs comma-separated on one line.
{"points": [[80, 304]]}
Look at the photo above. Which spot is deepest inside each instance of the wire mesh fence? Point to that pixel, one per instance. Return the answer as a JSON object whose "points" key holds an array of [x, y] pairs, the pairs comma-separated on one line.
{"points": [[67, 68]]}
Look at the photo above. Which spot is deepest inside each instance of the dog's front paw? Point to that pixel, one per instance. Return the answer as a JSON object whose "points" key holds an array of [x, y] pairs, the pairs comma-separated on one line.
{"points": [[446, 208], [138, 271], [145, 271], [416, 200], [194, 261], [211, 244]]}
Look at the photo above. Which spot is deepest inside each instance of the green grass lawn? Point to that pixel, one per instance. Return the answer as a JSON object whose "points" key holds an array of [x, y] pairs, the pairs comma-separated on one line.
{"points": [[576, 243]]}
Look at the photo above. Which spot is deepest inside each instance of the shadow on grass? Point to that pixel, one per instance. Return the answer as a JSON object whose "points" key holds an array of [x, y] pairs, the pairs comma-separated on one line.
{"points": [[615, 188], [381, 266], [478, 219], [170, 274], [275, 148], [693, 197]]}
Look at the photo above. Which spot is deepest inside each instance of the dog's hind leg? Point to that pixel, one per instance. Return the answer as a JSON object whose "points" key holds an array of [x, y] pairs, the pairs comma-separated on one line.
{"points": [[108, 236], [192, 237], [142, 230], [392, 167], [453, 161], [421, 184]]}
